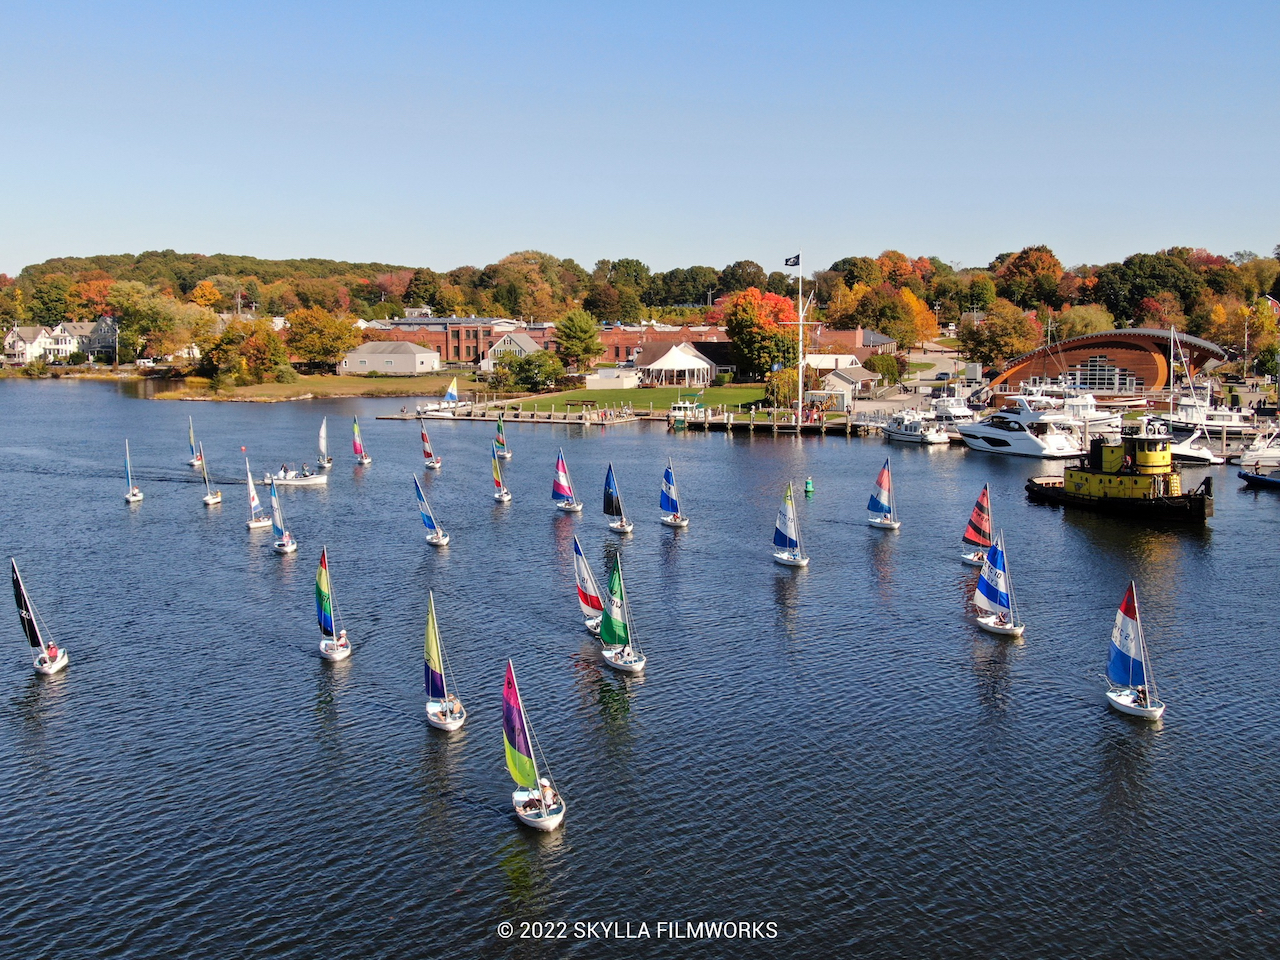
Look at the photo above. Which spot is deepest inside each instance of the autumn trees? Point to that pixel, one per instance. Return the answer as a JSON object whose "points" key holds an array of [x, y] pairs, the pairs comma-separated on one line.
{"points": [[318, 338], [762, 328]]}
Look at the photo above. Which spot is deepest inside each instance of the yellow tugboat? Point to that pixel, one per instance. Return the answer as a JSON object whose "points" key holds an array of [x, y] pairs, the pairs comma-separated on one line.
{"points": [[1135, 478]]}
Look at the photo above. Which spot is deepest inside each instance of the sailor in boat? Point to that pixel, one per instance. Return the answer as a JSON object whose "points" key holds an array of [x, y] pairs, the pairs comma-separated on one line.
{"points": [[50, 657], [134, 492], [306, 469], [1002, 619], [342, 638], [284, 472], [451, 709], [1140, 697]]}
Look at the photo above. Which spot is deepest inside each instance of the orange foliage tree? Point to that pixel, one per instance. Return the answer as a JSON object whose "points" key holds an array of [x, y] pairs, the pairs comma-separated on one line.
{"points": [[761, 326]]}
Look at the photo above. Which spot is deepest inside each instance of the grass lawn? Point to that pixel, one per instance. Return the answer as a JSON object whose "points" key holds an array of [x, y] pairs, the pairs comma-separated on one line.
{"points": [[432, 385], [661, 397], [950, 342]]}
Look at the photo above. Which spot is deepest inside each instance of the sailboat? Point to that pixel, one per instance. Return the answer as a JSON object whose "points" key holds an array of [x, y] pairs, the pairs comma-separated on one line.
{"points": [[500, 440], [562, 487], [284, 539], [500, 493], [133, 495], [451, 395], [324, 461], [786, 534], [1131, 688], [432, 461], [994, 594], [588, 593], [978, 533], [445, 409], [669, 501], [332, 646], [444, 710], [882, 510], [257, 516], [435, 535], [613, 504], [536, 800], [357, 445], [620, 648], [47, 658], [196, 457], [211, 497]]}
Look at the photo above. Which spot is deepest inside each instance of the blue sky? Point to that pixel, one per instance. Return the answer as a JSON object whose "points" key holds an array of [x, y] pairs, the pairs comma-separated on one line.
{"points": [[686, 133]]}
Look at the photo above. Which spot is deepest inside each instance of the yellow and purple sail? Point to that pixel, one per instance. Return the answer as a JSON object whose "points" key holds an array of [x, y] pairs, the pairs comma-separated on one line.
{"points": [[432, 660], [324, 595], [515, 735]]}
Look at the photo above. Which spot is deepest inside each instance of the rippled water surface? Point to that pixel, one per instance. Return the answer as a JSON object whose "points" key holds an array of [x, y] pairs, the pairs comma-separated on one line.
{"points": [[836, 750]]}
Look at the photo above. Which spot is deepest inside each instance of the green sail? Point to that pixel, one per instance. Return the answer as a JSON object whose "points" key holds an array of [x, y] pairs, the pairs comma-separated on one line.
{"points": [[613, 625]]}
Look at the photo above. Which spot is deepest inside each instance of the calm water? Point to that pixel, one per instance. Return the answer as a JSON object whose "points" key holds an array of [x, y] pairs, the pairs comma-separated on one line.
{"points": [[835, 751]]}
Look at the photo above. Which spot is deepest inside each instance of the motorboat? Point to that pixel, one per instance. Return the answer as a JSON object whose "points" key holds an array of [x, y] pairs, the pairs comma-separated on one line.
{"points": [[911, 426], [1024, 431]]}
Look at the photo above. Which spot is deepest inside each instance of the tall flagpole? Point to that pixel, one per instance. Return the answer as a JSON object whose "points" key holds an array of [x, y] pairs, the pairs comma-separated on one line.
{"points": [[800, 310]]}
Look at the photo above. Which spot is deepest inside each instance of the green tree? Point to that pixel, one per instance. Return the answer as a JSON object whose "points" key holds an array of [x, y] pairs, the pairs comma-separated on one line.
{"points": [[578, 335], [1030, 276], [533, 373], [1086, 318], [1006, 332], [1122, 287], [743, 275], [49, 304], [317, 337], [759, 326], [982, 293]]}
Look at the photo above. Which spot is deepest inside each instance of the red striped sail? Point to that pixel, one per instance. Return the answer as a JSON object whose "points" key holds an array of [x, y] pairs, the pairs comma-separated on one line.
{"points": [[978, 532]]}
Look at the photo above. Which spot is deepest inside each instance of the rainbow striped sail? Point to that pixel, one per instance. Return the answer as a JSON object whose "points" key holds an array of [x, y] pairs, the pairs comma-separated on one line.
{"points": [[500, 440], [497, 472], [515, 734], [432, 659], [324, 595], [357, 445]]}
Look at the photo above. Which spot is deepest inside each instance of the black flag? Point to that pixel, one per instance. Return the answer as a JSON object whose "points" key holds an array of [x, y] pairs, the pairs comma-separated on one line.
{"points": [[792, 261]]}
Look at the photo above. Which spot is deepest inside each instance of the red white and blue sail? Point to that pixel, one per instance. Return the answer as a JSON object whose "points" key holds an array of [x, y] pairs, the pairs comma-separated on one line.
{"points": [[561, 486], [882, 496], [1126, 664], [588, 592], [786, 533], [424, 509], [992, 593], [670, 499]]}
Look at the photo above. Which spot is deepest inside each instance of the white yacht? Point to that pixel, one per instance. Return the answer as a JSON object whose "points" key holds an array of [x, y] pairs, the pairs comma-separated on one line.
{"points": [[911, 426], [1192, 413], [1022, 431], [950, 413]]}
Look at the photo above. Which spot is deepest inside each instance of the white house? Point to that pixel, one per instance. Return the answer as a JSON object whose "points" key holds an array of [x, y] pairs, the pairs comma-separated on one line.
{"points": [[70, 336], [392, 357], [521, 344], [842, 386], [22, 345]]}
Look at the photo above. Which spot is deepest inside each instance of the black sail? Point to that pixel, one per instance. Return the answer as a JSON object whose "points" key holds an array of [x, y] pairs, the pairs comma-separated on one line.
{"points": [[25, 613]]}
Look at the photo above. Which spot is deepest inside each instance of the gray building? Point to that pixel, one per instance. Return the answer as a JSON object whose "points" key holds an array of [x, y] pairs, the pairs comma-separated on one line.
{"points": [[389, 357]]}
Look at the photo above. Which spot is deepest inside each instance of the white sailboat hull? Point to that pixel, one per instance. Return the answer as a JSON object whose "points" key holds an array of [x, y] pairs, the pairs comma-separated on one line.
{"points": [[989, 623], [439, 717], [615, 658], [883, 524], [438, 539], [540, 819], [593, 625], [365, 460], [1124, 700], [194, 462], [433, 464], [569, 506], [504, 454], [621, 526], [42, 664], [675, 520], [333, 650], [212, 499], [258, 524], [975, 559], [324, 463], [790, 559], [133, 497], [283, 547], [315, 480], [502, 496]]}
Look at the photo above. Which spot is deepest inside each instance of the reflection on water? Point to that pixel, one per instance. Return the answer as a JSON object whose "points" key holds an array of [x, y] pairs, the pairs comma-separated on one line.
{"points": [[526, 859]]}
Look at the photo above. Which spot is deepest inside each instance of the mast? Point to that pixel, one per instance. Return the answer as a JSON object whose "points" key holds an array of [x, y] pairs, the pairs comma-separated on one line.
{"points": [[204, 472], [626, 607], [1142, 646], [800, 351], [128, 467]]}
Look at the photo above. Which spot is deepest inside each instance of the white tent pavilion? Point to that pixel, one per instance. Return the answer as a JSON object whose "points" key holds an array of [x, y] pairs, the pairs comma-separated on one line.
{"points": [[679, 364]]}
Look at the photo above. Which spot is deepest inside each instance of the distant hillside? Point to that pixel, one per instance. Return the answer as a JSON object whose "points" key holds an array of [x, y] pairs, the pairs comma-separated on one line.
{"points": [[184, 270]]}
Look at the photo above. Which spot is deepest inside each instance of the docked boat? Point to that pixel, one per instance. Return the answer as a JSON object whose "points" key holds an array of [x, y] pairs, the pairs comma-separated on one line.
{"points": [[132, 493], [669, 500], [284, 542], [882, 512], [977, 533], [613, 504], [357, 444], [435, 533], [1131, 689], [588, 592], [1192, 450], [444, 710], [1024, 431], [211, 497], [950, 413], [561, 487], [323, 460], [431, 461], [446, 408], [1262, 451], [334, 644], [910, 426], [1263, 481], [46, 656], [1193, 413], [993, 599], [258, 517], [537, 802], [788, 550], [619, 646], [500, 492], [1134, 478]]}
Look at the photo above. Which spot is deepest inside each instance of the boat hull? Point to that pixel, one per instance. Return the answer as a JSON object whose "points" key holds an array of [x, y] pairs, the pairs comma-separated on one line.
{"points": [[332, 650], [675, 520], [975, 559], [441, 719], [212, 499], [569, 506], [433, 464], [622, 663], [1193, 507], [1260, 481], [545, 820], [260, 524], [884, 524], [990, 624], [324, 463], [133, 498], [504, 455], [42, 664], [790, 559], [439, 540], [364, 461], [1123, 700], [502, 496], [593, 625], [315, 480], [621, 526], [283, 547]]}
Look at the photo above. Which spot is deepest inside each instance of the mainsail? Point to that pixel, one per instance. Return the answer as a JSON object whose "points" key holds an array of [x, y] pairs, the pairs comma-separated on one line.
{"points": [[670, 499], [615, 628], [1126, 664], [428, 518], [128, 468], [191, 437], [992, 593], [786, 534], [255, 505], [452, 393], [978, 532], [562, 486], [497, 471], [515, 734], [26, 613], [588, 593], [612, 498], [882, 496], [324, 439], [426, 441], [324, 595], [432, 659], [277, 516], [356, 445], [500, 439]]}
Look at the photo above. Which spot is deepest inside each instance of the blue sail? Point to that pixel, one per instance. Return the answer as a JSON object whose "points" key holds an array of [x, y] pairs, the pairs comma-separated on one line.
{"points": [[785, 534], [993, 585], [277, 518], [669, 500], [1125, 662], [428, 520], [879, 502]]}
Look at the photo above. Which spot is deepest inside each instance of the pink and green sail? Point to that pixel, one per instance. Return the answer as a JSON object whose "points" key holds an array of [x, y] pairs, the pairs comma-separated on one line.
{"points": [[515, 735]]}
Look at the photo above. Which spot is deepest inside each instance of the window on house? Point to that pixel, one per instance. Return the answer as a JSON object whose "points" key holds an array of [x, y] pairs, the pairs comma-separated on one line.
{"points": [[387, 362], [363, 362]]}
